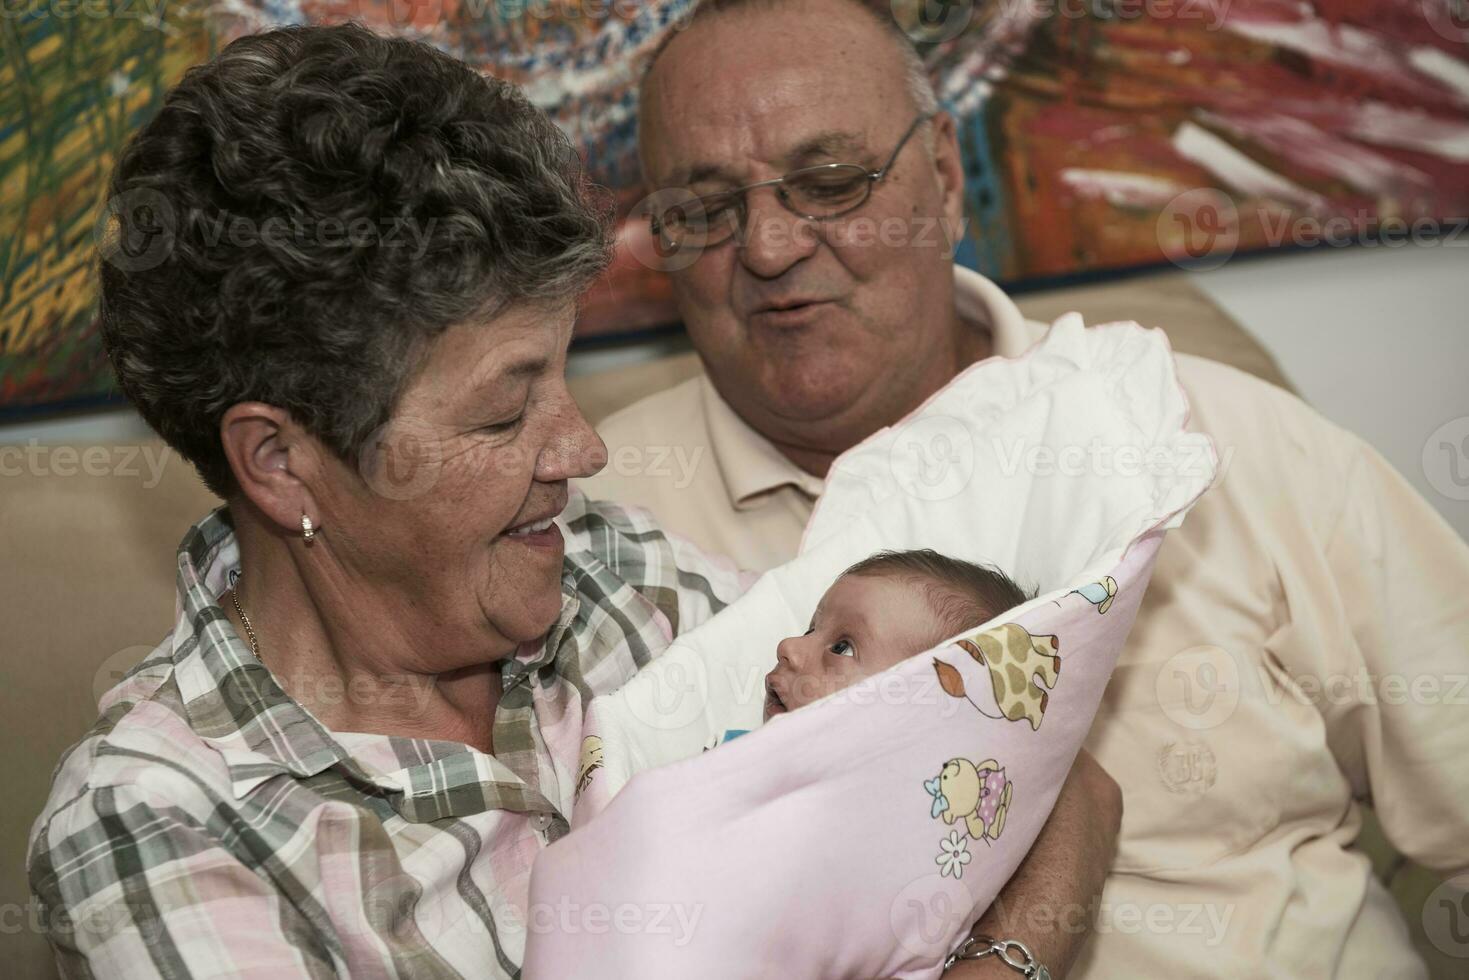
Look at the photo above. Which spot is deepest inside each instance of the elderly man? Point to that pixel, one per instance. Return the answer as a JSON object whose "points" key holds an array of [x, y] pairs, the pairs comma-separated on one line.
{"points": [[1301, 647]]}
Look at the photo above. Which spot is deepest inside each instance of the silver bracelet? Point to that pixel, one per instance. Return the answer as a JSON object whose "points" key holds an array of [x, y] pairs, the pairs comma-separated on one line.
{"points": [[978, 947]]}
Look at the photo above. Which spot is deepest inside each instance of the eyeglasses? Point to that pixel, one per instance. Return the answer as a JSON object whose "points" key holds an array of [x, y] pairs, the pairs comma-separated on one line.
{"points": [[815, 193]]}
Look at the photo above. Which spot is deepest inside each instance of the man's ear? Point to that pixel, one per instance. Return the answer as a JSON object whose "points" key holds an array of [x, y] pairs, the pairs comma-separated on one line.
{"points": [[274, 461], [950, 166]]}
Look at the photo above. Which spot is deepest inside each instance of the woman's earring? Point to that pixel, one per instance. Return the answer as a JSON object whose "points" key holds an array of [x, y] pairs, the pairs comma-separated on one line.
{"points": [[308, 532]]}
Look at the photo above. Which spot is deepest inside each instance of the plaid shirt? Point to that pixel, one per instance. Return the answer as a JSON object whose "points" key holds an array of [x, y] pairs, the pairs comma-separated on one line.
{"points": [[209, 826]]}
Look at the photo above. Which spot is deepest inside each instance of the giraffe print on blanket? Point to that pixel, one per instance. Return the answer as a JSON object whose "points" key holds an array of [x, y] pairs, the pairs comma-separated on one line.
{"points": [[1015, 661]]}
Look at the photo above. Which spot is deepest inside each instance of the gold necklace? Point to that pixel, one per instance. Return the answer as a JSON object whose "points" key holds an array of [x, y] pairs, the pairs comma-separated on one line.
{"points": [[249, 631]]}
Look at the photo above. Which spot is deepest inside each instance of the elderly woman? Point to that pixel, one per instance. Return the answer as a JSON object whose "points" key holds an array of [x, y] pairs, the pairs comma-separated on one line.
{"points": [[343, 283]]}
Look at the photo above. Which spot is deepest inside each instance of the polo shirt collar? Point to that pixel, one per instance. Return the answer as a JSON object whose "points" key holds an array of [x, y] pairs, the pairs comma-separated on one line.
{"points": [[752, 466], [749, 462], [978, 300]]}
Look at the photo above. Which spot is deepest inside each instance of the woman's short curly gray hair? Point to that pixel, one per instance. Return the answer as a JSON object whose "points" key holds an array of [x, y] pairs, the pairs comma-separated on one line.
{"points": [[328, 201]]}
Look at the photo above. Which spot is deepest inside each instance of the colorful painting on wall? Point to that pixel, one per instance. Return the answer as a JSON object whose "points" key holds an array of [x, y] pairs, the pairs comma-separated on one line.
{"points": [[1099, 135]]}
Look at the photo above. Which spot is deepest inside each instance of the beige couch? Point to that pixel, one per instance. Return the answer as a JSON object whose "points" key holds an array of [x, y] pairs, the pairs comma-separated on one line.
{"points": [[88, 563]]}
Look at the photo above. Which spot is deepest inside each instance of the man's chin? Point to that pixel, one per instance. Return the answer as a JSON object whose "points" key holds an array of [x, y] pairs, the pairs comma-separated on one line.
{"points": [[799, 396], [802, 391]]}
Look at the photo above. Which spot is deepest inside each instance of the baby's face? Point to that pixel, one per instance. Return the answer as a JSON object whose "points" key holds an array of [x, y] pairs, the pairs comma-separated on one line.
{"points": [[863, 625]]}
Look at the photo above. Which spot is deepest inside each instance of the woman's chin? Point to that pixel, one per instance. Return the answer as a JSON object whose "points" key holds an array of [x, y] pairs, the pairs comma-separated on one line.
{"points": [[542, 608]]}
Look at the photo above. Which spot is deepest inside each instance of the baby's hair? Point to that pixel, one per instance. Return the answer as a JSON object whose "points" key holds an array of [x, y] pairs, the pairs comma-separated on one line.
{"points": [[961, 593]]}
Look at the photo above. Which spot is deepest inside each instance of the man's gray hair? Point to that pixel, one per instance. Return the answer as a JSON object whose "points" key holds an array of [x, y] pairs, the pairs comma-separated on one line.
{"points": [[915, 73]]}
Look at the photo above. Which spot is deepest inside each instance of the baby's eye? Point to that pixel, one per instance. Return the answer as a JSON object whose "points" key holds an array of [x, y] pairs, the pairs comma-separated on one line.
{"points": [[842, 648], [809, 631]]}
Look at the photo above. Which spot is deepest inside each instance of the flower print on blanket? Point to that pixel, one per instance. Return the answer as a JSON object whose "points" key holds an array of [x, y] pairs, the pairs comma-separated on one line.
{"points": [[953, 855]]}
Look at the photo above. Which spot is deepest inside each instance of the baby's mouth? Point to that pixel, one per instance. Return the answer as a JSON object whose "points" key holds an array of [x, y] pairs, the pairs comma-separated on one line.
{"points": [[773, 704]]}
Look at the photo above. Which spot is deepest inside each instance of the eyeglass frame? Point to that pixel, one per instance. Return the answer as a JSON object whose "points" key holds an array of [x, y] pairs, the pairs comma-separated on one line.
{"points": [[874, 177]]}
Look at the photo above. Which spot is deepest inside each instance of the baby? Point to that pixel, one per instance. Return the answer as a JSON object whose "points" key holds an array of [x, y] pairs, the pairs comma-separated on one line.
{"points": [[882, 610]]}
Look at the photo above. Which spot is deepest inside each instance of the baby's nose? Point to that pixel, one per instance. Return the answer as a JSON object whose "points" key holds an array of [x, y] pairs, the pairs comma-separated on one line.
{"points": [[787, 650]]}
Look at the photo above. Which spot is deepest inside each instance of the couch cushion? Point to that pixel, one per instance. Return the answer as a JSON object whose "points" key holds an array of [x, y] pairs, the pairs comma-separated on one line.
{"points": [[1194, 324], [89, 538]]}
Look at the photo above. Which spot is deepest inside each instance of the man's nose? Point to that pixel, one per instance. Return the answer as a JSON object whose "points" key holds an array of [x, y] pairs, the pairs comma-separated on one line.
{"points": [[574, 450], [774, 238]]}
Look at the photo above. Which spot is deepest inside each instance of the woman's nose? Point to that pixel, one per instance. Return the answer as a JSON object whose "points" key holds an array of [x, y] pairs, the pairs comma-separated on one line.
{"points": [[574, 449]]}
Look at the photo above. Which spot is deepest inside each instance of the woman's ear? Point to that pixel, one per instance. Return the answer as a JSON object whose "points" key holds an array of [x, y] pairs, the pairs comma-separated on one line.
{"points": [[274, 461]]}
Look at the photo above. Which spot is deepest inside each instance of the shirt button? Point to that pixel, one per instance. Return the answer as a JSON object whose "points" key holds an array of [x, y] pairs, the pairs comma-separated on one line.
{"points": [[540, 821]]}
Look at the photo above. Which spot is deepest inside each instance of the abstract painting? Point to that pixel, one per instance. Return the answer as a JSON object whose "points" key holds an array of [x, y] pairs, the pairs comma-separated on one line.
{"points": [[1099, 135]]}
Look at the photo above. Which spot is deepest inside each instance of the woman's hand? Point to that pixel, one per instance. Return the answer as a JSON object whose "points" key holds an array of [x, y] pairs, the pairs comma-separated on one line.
{"points": [[1050, 903]]}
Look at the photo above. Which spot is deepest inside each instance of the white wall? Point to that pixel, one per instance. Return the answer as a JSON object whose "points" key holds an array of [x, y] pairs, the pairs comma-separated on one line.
{"points": [[121, 425], [1377, 339]]}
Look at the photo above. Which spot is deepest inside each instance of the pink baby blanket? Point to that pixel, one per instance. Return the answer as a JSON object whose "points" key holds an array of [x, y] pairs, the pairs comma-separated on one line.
{"points": [[862, 836]]}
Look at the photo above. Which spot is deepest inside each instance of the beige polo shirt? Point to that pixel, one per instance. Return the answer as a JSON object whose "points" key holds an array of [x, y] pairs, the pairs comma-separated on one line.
{"points": [[1304, 645]]}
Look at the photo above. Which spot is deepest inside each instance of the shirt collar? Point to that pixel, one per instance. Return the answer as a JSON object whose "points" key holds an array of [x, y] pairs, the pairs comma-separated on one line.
{"points": [[749, 462], [232, 701], [236, 707], [751, 465], [978, 300]]}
